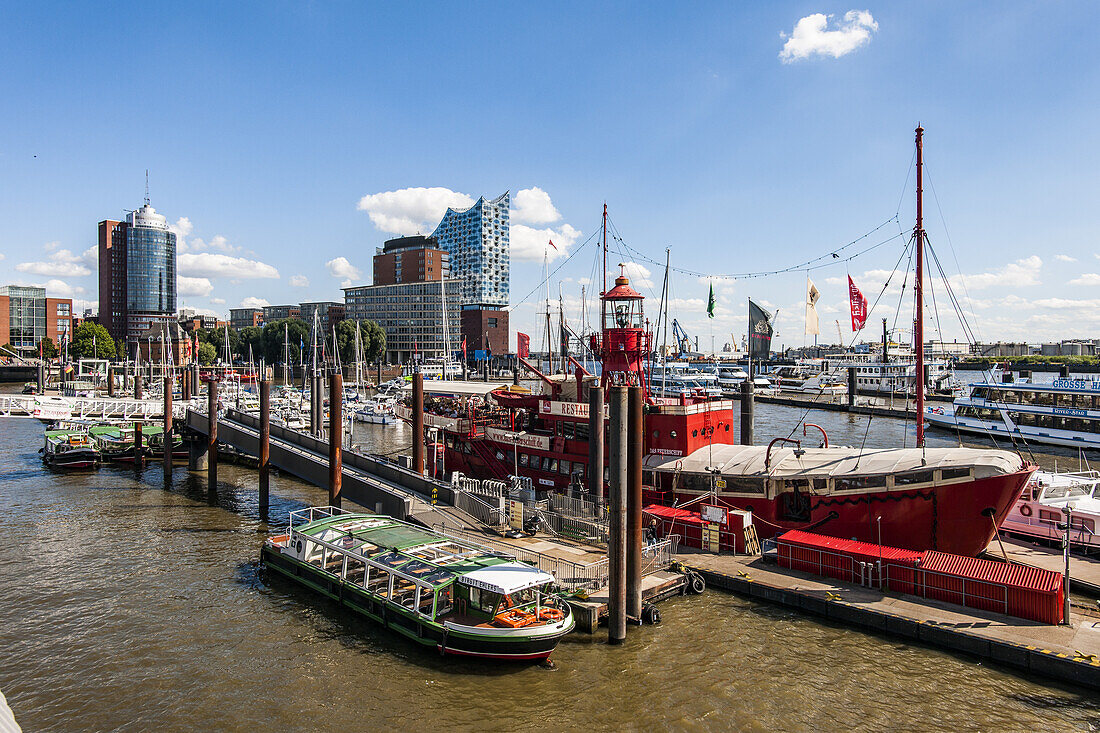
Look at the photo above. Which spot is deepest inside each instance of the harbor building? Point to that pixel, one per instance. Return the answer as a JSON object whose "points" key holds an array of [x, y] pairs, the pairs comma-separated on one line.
{"points": [[329, 313], [477, 242], [244, 317], [274, 313], [27, 316], [410, 259], [137, 274], [411, 314]]}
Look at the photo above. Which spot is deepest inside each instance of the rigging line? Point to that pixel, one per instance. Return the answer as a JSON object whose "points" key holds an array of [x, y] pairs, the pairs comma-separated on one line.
{"points": [[564, 262], [950, 243], [968, 330]]}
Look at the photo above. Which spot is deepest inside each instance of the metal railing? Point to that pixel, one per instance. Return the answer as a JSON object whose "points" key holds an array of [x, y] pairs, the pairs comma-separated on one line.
{"points": [[580, 508], [658, 555], [487, 514], [953, 589], [581, 530]]}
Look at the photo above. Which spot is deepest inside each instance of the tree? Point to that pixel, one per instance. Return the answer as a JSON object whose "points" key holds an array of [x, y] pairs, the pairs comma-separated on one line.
{"points": [[250, 336], [91, 341], [296, 332], [372, 341], [207, 354], [47, 348], [216, 338]]}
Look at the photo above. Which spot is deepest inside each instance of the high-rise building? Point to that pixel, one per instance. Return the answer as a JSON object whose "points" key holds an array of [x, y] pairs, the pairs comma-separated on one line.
{"points": [[137, 274], [411, 314], [477, 241], [27, 316], [412, 259]]}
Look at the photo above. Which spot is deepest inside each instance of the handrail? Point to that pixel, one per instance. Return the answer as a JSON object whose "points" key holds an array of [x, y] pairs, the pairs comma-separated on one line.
{"points": [[768, 455]]}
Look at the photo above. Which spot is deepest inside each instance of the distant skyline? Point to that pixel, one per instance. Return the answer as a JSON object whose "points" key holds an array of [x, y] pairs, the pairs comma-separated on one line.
{"points": [[285, 142]]}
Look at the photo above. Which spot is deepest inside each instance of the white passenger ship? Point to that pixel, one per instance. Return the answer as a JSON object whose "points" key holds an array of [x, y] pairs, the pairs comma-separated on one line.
{"points": [[1065, 412]]}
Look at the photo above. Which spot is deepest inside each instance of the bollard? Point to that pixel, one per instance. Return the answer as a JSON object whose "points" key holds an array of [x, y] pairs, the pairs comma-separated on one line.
{"points": [[595, 443], [851, 386], [212, 435], [616, 547], [41, 374], [635, 440], [335, 436], [748, 410], [137, 385], [515, 379], [185, 385], [139, 452], [167, 457], [265, 444], [418, 423]]}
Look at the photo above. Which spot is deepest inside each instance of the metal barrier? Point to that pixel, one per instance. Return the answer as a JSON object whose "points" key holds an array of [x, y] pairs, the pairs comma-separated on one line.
{"points": [[582, 530], [487, 514], [658, 555], [953, 589], [579, 508]]}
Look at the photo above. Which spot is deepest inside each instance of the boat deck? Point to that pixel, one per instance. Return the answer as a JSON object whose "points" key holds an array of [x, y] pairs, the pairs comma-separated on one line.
{"points": [[1084, 572], [1068, 653]]}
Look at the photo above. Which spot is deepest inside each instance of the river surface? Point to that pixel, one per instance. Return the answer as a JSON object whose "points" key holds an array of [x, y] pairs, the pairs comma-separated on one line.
{"points": [[132, 603]]}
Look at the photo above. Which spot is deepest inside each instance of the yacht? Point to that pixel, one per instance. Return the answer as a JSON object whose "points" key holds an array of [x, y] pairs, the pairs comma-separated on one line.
{"points": [[1038, 511]]}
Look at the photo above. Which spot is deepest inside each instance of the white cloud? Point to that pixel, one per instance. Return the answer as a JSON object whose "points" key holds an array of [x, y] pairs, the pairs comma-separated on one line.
{"points": [[834, 281], [1088, 278], [253, 302], [91, 256], [812, 36], [638, 274], [299, 281], [62, 289], [208, 264], [528, 243], [411, 210], [218, 243], [61, 263], [346, 283], [1065, 258], [340, 267], [182, 229], [533, 206], [2, 256], [218, 301], [51, 246], [1015, 274], [198, 286]]}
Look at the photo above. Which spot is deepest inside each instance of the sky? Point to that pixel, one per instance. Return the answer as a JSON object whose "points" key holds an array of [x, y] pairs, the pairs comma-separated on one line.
{"points": [[285, 141]]}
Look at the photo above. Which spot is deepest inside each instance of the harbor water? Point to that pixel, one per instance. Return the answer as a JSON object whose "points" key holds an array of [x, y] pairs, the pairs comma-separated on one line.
{"points": [[131, 603]]}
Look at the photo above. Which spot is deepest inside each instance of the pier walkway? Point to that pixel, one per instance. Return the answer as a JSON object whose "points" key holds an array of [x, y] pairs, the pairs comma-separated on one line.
{"points": [[1068, 653], [57, 407]]}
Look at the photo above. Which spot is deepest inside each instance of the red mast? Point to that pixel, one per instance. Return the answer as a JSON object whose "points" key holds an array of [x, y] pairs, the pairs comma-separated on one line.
{"points": [[918, 234], [604, 290]]}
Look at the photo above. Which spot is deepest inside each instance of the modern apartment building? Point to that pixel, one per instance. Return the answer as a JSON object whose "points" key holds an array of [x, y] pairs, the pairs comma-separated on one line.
{"points": [[411, 314], [27, 316], [244, 317], [274, 313], [410, 260]]}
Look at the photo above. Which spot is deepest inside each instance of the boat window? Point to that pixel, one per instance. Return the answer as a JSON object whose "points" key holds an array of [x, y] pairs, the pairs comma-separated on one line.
{"points": [[1004, 395], [404, 592], [948, 474], [564, 466], [313, 552], [1042, 398], [485, 601], [553, 465], [980, 393], [354, 570], [546, 463], [1063, 400], [1082, 523], [1048, 517], [850, 483], [523, 459], [379, 582], [913, 477], [444, 600]]}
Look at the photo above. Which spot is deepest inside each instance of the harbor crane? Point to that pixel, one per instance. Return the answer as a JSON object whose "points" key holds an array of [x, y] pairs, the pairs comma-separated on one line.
{"points": [[683, 341]]}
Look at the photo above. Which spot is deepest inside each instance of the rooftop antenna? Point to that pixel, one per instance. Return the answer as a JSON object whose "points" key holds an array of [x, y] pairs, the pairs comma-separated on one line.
{"points": [[146, 186]]}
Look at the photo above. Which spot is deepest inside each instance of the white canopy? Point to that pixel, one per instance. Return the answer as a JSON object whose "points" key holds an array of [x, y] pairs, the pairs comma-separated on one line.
{"points": [[506, 578], [466, 389], [748, 460]]}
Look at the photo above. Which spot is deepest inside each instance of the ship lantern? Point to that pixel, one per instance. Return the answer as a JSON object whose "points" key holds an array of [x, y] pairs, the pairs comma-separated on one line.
{"points": [[624, 336]]}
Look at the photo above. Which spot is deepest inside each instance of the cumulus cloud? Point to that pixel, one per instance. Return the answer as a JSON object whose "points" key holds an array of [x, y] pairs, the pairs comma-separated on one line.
{"points": [[299, 281], [182, 229], [209, 264], [820, 35], [62, 289], [533, 206], [1065, 258], [1088, 278], [61, 263], [217, 243], [340, 267], [218, 301], [639, 275], [411, 210], [198, 286], [528, 243], [1015, 274], [253, 302]]}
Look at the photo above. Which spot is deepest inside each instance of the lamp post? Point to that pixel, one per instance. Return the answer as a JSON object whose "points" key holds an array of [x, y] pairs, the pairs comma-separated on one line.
{"points": [[1066, 605], [515, 454]]}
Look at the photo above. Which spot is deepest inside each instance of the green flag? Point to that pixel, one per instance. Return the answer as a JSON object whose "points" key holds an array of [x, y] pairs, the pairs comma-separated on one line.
{"points": [[710, 302]]}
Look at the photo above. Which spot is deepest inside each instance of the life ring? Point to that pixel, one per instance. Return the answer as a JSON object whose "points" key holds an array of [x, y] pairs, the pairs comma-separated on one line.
{"points": [[1026, 510], [551, 614]]}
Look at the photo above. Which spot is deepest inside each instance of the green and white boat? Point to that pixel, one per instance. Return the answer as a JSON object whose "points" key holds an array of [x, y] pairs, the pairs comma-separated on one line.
{"points": [[70, 449], [454, 595]]}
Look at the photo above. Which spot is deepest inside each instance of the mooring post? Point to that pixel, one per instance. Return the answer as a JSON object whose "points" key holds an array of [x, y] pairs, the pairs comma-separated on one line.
{"points": [[418, 423], [40, 375], [515, 378], [185, 379], [635, 439], [378, 381], [748, 410], [335, 436], [265, 444], [595, 442], [137, 385], [212, 434], [167, 458], [110, 381], [616, 547], [851, 386]]}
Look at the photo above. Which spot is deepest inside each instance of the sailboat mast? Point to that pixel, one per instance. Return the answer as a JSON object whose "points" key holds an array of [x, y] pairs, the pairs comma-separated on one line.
{"points": [[603, 307], [664, 336], [918, 331], [546, 275]]}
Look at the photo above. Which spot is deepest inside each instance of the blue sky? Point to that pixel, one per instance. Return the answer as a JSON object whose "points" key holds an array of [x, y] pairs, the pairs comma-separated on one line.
{"points": [[745, 137]]}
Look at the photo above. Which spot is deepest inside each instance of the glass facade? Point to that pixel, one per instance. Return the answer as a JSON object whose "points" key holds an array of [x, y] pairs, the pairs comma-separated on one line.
{"points": [[27, 319], [411, 316], [151, 272], [477, 241]]}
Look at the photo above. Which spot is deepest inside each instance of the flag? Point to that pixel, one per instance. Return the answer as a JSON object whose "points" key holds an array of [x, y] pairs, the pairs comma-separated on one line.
{"points": [[523, 345], [812, 296], [301, 344], [488, 348], [859, 306], [710, 302], [760, 332], [464, 347], [553, 245]]}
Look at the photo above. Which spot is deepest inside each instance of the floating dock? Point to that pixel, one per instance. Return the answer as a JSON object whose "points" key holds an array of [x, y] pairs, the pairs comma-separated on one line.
{"points": [[1067, 653]]}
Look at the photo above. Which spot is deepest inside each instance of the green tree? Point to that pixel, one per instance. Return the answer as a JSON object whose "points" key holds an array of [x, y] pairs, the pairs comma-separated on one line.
{"points": [[207, 354], [91, 341], [250, 336], [216, 338], [372, 341], [296, 331], [48, 348]]}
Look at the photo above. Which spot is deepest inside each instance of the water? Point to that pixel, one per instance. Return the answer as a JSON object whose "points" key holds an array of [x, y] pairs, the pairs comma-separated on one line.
{"points": [[132, 604]]}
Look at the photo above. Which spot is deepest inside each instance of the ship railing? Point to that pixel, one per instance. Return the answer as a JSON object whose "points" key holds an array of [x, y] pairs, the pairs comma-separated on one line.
{"points": [[582, 530], [312, 514]]}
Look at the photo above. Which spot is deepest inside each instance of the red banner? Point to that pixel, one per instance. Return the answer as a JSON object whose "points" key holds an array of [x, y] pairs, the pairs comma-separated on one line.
{"points": [[859, 306], [523, 345]]}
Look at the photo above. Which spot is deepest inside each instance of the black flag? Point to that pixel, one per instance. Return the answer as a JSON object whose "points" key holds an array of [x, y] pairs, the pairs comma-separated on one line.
{"points": [[760, 332]]}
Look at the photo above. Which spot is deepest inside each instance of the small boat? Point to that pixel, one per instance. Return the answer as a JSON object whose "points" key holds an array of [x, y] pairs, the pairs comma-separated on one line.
{"points": [[155, 443], [1038, 511], [70, 449], [30, 388], [453, 595]]}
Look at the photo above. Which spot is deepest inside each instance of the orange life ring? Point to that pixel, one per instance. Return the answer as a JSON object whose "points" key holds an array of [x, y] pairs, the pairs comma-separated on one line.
{"points": [[1026, 510], [551, 614]]}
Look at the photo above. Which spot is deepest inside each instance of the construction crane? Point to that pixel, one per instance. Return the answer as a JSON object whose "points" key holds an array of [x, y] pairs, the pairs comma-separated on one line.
{"points": [[683, 341], [839, 335]]}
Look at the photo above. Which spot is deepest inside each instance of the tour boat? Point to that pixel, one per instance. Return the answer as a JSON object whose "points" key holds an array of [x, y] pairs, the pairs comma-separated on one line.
{"points": [[1038, 512], [450, 594], [1064, 412], [70, 449]]}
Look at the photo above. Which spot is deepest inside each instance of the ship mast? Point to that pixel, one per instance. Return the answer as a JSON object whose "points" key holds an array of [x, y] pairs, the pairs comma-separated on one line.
{"points": [[603, 292], [918, 331]]}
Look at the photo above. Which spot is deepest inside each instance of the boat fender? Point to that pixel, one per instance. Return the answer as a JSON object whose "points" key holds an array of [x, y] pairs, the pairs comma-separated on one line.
{"points": [[650, 614], [1026, 510], [698, 585]]}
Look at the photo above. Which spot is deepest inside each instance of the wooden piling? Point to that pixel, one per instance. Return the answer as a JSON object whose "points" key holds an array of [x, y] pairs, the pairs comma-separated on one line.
{"points": [[167, 458], [41, 377], [595, 442], [110, 381], [335, 436], [139, 450], [137, 386], [212, 434], [418, 423], [851, 386], [748, 410], [616, 549], [265, 444], [635, 440]]}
